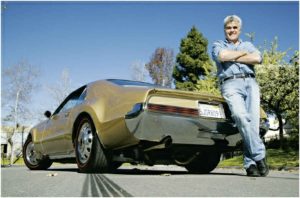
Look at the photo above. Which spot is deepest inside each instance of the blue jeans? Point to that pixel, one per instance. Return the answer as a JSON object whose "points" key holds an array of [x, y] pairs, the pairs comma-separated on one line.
{"points": [[243, 99]]}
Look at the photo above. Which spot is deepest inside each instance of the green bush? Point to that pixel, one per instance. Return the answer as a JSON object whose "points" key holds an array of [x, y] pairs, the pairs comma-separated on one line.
{"points": [[290, 143]]}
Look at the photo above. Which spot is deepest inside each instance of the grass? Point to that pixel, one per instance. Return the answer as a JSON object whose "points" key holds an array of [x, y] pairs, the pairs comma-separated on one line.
{"points": [[5, 161], [277, 159], [20, 161]]}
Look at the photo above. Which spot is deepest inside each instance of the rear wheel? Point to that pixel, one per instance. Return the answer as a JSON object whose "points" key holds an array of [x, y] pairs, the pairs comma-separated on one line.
{"points": [[31, 159], [204, 163], [90, 155]]}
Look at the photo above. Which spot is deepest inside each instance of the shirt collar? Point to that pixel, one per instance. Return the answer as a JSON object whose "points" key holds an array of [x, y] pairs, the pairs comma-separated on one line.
{"points": [[240, 41]]}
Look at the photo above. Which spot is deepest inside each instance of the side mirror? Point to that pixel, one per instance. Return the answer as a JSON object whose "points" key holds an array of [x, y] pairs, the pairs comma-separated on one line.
{"points": [[47, 114]]}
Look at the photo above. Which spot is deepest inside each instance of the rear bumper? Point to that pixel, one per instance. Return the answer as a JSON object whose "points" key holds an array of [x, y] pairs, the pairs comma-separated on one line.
{"points": [[154, 126]]}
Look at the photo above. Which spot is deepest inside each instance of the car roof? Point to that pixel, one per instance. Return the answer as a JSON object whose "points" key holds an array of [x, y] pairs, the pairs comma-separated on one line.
{"points": [[126, 83], [122, 82]]}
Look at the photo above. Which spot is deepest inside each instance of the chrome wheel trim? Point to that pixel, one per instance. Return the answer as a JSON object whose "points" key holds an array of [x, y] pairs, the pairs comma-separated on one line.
{"points": [[85, 142], [31, 155]]}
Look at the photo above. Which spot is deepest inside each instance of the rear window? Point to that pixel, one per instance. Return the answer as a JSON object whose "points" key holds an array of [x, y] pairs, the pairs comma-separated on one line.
{"points": [[131, 83]]}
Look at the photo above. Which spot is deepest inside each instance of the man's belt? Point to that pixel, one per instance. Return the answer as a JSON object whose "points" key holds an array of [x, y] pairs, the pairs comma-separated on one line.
{"points": [[238, 76]]}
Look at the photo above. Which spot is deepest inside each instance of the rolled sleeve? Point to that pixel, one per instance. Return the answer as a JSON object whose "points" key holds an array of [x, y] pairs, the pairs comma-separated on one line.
{"points": [[252, 49], [216, 48]]}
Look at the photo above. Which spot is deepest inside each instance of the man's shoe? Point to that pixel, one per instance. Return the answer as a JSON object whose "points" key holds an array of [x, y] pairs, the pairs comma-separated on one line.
{"points": [[252, 171], [262, 167]]}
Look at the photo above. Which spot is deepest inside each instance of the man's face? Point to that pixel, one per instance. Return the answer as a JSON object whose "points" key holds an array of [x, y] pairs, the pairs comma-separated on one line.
{"points": [[232, 31]]}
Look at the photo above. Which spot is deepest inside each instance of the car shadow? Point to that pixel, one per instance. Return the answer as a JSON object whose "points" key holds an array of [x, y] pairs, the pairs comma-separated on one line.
{"points": [[228, 174], [63, 169], [137, 171]]}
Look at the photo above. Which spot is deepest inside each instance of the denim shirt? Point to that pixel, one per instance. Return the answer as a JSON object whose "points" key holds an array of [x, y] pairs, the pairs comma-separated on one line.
{"points": [[229, 68]]}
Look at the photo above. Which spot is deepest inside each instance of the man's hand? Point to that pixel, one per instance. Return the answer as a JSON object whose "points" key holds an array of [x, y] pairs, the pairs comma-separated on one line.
{"points": [[252, 59]]}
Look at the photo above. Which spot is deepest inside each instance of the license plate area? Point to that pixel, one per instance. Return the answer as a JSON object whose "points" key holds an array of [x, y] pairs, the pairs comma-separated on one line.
{"points": [[211, 110]]}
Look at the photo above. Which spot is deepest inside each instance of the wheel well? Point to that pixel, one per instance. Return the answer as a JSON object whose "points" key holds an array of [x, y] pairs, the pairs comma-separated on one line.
{"points": [[76, 123], [30, 135]]}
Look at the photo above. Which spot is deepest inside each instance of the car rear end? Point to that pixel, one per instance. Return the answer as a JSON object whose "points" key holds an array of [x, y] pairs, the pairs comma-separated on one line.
{"points": [[182, 118]]}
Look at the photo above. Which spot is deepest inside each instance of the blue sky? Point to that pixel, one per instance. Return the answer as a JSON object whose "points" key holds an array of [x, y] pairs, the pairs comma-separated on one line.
{"points": [[98, 40]]}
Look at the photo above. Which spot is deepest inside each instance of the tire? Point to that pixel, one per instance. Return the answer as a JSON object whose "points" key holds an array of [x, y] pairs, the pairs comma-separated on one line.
{"points": [[204, 163], [30, 157], [90, 155]]}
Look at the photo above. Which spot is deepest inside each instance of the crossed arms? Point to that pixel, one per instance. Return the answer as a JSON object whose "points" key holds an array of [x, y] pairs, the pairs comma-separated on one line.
{"points": [[240, 56]]}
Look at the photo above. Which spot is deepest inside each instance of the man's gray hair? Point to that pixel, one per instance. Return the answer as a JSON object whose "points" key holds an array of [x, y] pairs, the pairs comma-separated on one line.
{"points": [[232, 18]]}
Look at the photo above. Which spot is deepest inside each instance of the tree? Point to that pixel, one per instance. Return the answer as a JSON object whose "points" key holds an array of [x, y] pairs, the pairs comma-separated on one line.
{"points": [[279, 82], [192, 62], [61, 89], [251, 36], [292, 114], [160, 66], [208, 85], [19, 81], [138, 71]]}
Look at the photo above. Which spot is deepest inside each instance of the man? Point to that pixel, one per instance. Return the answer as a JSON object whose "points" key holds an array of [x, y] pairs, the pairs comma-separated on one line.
{"points": [[235, 60]]}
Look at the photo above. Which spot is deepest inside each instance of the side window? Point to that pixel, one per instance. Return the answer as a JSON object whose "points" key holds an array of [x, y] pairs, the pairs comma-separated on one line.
{"points": [[75, 98], [74, 101], [70, 104], [82, 97]]}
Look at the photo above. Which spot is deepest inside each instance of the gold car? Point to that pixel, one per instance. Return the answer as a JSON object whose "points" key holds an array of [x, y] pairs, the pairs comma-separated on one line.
{"points": [[108, 122]]}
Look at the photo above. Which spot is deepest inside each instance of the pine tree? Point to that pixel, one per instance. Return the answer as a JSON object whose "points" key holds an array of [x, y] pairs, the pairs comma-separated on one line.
{"points": [[192, 62]]}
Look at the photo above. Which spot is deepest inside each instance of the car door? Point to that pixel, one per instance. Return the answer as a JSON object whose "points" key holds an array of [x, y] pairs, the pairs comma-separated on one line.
{"points": [[59, 127], [53, 135]]}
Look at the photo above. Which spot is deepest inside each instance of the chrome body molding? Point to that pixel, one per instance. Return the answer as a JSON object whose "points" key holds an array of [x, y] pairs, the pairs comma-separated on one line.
{"points": [[62, 156]]}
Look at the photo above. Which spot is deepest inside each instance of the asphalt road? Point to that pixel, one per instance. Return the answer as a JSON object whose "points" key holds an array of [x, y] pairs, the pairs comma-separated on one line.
{"points": [[144, 181]]}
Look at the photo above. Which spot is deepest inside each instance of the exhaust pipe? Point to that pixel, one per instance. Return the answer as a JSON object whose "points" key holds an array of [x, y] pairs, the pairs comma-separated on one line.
{"points": [[165, 142]]}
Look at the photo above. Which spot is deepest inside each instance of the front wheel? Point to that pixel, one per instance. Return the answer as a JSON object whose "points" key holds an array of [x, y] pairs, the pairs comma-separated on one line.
{"points": [[204, 163], [31, 159], [90, 155]]}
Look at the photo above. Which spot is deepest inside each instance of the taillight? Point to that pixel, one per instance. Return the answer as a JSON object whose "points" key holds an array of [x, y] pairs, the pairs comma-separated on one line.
{"points": [[174, 110]]}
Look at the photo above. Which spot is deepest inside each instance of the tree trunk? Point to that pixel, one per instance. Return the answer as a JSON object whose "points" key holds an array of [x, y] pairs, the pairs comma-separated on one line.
{"points": [[280, 130], [15, 127], [10, 142], [12, 154]]}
